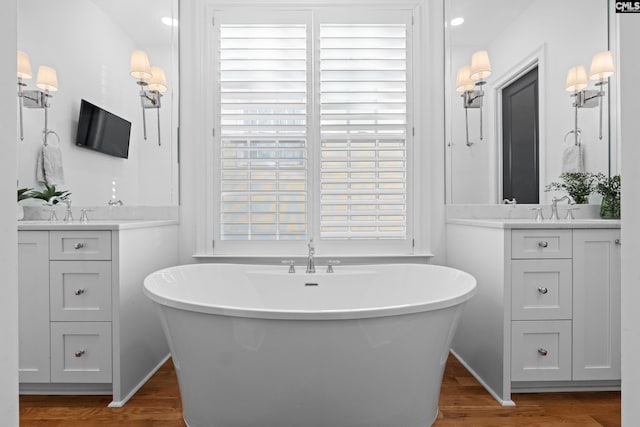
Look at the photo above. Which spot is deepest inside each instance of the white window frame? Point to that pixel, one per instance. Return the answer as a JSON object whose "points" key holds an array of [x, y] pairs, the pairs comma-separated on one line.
{"points": [[417, 201]]}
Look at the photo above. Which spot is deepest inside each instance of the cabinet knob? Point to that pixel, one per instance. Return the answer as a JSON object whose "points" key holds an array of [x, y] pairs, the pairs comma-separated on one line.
{"points": [[542, 352], [618, 242], [80, 353], [543, 290], [79, 291], [543, 244], [78, 245]]}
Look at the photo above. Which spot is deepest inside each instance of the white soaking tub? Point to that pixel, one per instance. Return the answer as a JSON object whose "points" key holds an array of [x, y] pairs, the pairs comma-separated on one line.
{"points": [[255, 346]]}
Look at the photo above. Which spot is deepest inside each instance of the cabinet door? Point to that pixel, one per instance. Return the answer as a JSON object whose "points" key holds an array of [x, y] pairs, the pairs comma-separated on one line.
{"points": [[33, 306], [596, 304]]}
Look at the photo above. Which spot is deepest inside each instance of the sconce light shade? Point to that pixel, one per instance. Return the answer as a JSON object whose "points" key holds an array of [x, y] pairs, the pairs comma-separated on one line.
{"points": [[158, 81], [601, 66], [480, 65], [576, 79], [24, 66], [140, 68], [47, 79], [463, 80]]}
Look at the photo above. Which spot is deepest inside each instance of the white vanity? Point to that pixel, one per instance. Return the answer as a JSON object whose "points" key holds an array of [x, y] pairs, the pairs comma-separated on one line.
{"points": [[84, 325], [547, 313]]}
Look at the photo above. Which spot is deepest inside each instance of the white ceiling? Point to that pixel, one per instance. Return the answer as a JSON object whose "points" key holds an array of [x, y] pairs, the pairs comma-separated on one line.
{"points": [[484, 20], [140, 19]]}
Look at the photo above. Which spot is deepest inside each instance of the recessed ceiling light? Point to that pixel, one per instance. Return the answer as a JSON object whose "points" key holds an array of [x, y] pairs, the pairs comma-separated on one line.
{"points": [[171, 22], [457, 21]]}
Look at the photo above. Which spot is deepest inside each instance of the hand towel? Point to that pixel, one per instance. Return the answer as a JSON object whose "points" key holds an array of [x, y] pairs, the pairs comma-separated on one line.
{"points": [[49, 165], [573, 159]]}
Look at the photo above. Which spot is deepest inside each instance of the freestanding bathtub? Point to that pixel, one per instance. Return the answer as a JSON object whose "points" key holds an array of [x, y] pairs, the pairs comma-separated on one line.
{"points": [[255, 346]]}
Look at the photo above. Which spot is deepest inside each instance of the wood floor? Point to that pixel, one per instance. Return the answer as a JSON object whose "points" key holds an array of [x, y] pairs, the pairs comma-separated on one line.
{"points": [[463, 402]]}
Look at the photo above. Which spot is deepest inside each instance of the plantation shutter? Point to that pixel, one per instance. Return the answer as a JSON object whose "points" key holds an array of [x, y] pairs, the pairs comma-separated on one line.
{"points": [[263, 118], [363, 131]]}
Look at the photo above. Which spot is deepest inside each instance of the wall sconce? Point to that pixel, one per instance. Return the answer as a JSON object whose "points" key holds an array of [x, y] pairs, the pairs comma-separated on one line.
{"points": [[468, 78], [47, 81], [152, 82], [601, 69]]}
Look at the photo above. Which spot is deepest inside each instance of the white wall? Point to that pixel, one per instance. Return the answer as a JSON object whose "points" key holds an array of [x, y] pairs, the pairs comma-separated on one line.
{"points": [[91, 56], [8, 233], [629, 34], [567, 39]]}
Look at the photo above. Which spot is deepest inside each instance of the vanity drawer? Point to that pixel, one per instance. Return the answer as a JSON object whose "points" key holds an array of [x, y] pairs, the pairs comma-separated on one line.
{"points": [[541, 289], [81, 352], [541, 244], [80, 245], [541, 351], [80, 290]]}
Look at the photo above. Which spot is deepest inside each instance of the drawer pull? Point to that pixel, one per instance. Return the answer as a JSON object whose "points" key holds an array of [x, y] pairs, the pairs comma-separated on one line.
{"points": [[80, 353], [78, 246], [542, 352], [543, 244], [543, 290], [79, 291]]}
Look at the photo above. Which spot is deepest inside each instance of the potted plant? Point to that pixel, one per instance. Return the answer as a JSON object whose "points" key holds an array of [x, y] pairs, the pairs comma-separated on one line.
{"points": [[609, 187], [578, 185], [23, 193], [47, 193]]}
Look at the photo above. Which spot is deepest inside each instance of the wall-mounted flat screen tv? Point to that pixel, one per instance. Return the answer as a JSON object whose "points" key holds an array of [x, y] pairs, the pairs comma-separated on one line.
{"points": [[102, 131]]}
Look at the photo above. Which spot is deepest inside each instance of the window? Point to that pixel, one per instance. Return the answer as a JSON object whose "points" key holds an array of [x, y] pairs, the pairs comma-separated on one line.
{"points": [[313, 111]]}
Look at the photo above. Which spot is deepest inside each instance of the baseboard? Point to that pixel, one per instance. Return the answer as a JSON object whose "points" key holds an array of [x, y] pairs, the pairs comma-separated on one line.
{"points": [[121, 403], [481, 381]]}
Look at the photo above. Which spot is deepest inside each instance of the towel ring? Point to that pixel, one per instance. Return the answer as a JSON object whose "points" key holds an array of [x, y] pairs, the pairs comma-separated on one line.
{"points": [[578, 131], [46, 133]]}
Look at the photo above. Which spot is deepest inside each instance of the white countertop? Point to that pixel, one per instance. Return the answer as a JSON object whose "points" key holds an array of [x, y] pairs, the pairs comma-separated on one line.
{"points": [[532, 223], [111, 224]]}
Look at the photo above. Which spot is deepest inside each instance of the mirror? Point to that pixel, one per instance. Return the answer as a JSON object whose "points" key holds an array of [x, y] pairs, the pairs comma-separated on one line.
{"points": [[522, 36], [89, 43]]}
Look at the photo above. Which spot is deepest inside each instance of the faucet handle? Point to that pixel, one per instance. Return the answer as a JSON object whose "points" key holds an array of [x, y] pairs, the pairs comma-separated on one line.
{"points": [[83, 215], [539, 215], [52, 213], [331, 263], [570, 212], [291, 263]]}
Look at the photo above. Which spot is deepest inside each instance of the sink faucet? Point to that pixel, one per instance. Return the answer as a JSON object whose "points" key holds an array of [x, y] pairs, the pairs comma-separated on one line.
{"points": [[115, 202], [311, 264], [64, 198], [554, 205]]}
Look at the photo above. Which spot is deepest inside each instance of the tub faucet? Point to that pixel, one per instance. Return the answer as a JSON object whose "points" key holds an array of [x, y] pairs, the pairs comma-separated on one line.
{"points": [[554, 205], [311, 264]]}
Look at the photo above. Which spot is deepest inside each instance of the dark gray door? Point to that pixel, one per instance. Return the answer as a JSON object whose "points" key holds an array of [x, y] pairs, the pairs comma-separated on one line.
{"points": [[520, 177]]}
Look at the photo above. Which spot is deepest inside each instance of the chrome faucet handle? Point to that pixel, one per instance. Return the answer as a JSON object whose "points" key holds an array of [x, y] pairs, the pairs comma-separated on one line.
{"points": [[52, 213], [331, 263], [539, 215], [570, 213], [291, 263], [83, 215]]}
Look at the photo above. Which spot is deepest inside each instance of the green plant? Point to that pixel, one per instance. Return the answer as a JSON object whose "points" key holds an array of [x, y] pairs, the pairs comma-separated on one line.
{"points": [[23, 193], [48, 192], [578, 185], [609, 187]]}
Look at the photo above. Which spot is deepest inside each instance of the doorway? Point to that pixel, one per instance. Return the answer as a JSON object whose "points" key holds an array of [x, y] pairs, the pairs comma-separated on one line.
{"points": [[520, 139]]}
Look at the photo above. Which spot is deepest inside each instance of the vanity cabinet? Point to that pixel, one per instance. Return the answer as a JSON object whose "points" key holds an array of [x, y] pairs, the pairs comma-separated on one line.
{"points": [[547, 313], [84, 324]]}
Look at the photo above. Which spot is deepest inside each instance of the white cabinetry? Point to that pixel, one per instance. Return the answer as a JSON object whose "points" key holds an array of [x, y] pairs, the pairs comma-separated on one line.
{"points": [[547, 313], [85, 326], [596, 305]]}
